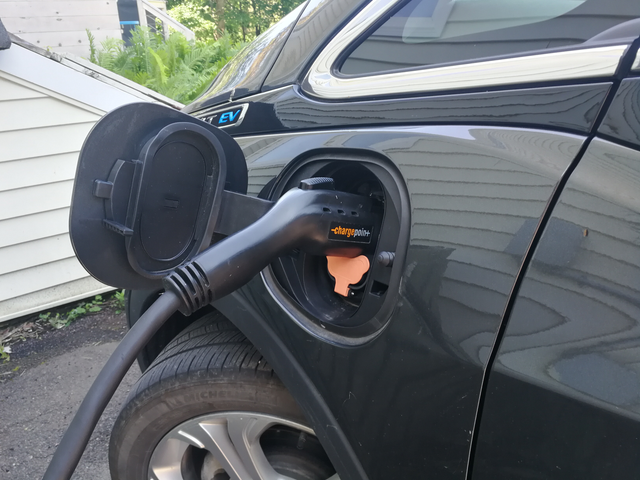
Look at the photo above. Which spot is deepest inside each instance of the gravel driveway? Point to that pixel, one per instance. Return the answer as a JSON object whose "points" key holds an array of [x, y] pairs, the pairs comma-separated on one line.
{"points": [[38, 400]]}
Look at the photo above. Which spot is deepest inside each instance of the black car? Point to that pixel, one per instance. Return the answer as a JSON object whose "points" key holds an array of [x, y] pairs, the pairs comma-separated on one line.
{"points": [[495, 332]]}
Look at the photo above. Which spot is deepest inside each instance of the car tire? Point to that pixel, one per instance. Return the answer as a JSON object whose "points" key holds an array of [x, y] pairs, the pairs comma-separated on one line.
{"points": [[211, 375]]}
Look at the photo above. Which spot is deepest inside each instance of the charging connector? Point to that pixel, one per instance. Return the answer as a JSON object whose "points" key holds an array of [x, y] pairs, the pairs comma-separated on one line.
{"points": [[308, 218]]}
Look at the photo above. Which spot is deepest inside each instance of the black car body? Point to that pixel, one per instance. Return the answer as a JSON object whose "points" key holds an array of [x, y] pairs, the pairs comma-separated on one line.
{"points": [[502, 140]]}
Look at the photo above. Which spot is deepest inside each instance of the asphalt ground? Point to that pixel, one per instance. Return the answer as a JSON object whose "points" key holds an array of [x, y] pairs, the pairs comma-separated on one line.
{"points": [[42, 386]]}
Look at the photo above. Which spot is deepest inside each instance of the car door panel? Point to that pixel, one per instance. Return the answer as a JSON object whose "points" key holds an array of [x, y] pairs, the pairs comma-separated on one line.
{"points": [[623, 116], [481, 149], [563, 396], [568, 107], [406, 400]]}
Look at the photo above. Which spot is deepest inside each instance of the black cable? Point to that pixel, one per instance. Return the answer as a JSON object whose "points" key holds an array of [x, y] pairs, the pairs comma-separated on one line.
{"points": [[302, 218], [69, 451]]}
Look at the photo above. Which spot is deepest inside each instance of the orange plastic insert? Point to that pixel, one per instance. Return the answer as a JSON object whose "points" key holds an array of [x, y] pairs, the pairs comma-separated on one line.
{"points": [[347, 271]]}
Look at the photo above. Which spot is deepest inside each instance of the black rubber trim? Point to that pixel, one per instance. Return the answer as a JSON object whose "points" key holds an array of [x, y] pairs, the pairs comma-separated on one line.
{"points": [[623, 71]]}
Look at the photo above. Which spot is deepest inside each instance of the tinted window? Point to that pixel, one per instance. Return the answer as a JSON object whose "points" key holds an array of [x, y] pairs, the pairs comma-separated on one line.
{"points": [[428, 32]]}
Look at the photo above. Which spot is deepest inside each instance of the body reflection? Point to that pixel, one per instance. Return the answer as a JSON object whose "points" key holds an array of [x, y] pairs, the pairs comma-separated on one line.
{"points": [[573, 338], [472, 189]]}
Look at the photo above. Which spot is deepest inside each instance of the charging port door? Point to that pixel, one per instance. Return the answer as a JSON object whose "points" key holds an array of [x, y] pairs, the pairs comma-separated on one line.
{"points": [[148, 193]]}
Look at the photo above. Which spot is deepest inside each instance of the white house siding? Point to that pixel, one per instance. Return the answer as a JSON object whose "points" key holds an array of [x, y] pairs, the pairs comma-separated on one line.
{"points": [[46, 111], [40, 137], [61, 25]]}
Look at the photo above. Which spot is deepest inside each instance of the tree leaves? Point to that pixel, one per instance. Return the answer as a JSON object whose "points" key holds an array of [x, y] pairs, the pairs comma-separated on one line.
{"points": [[242, 20]]}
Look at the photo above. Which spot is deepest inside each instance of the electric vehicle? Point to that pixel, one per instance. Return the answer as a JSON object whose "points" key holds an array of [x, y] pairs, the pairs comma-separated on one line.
{"points": [[496, 331]]}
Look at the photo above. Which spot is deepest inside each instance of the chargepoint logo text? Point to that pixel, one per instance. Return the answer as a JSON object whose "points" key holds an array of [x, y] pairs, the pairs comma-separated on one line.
{"points": [[354, 233]]}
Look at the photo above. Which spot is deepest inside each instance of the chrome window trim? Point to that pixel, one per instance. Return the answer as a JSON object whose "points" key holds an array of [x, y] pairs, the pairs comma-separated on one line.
{"points": [[545, 67], [636, 64]]}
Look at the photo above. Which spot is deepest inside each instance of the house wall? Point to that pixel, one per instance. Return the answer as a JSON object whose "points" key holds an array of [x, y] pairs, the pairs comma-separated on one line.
{"points": [[46, 111], [60, 25], [40, 136]]}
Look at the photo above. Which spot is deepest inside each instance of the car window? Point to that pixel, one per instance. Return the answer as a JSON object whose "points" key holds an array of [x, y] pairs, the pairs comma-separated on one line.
{"points": [[428, 32]]}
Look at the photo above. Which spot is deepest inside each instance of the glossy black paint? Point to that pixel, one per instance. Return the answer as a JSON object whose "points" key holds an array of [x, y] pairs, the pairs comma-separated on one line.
{"points": [[404, 404], [563, 399], [570, 108], [317, 24], [623, 118], [406, 400], [246, 72]]}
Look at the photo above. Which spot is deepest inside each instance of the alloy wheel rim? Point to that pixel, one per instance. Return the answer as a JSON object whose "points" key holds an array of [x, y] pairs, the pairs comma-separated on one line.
{"points": [[228, 442]]}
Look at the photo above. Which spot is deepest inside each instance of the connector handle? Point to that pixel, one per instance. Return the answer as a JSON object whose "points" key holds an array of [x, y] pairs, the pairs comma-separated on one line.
{"points": [[300, 219]]}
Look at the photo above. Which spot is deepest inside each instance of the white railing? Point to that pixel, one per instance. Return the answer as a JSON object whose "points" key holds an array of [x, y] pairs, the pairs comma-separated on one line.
{"points": [[168, 23]]}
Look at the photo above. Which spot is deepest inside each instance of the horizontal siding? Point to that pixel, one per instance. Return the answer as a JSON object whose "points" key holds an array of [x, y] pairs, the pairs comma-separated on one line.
{"points": [[259, 177], [49, 140], [61, 25], [36, 278], [37, 252], [37, 171], [31, 227], [497, 223], [42, 129], [38, 24], [471, 194], [420, 188], [13, 91], [59, 41], [51, 297], [600, 284], [81, 48], [53, 8], [479, 205], [40, 112], [41, 137], [607, 256], [26, 201]]}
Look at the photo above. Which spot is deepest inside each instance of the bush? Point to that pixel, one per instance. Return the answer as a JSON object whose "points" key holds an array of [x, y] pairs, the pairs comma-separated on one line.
{"points": [[174, 67]]}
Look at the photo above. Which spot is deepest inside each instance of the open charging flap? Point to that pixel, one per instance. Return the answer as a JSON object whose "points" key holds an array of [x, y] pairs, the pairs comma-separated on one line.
{"points": [[149, 191]]}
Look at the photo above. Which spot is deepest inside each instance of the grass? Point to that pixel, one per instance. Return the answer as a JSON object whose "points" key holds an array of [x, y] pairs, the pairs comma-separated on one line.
{"points": [[65, 319], [60, 318]]}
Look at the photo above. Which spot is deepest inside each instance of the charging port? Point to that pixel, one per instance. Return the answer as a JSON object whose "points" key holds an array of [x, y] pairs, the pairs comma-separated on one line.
{"points": [[309, 285]]}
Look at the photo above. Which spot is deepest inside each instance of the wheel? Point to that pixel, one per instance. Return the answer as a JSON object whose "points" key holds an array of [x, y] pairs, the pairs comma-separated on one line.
{"points": [[211, 408]]}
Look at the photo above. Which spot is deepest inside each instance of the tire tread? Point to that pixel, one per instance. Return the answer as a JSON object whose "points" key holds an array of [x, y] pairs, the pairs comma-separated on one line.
{"points": [[211, 344]]}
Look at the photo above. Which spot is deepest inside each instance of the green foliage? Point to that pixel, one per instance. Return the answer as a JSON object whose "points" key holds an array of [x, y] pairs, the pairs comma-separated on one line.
{"points": [[173, 67], [119, 301], [4, 353], [246, 19], [241, 20], [197, 16], [92, 48], [66, 318], [55, 321]]}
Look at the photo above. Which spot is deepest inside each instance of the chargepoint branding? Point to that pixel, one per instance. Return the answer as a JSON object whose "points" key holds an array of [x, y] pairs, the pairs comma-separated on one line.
{"points": [[350, 233]]}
